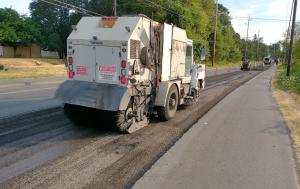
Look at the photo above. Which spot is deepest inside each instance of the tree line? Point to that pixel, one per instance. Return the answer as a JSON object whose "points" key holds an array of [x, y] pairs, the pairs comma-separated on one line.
{"points": [[49, 25]]}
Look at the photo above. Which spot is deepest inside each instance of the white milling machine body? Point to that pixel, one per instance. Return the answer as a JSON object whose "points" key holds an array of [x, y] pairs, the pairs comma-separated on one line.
{"points": [[130, 66]]}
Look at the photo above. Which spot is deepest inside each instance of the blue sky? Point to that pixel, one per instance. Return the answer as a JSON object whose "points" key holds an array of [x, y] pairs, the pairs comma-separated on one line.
{"points": [[20, 5], [271, 31]]}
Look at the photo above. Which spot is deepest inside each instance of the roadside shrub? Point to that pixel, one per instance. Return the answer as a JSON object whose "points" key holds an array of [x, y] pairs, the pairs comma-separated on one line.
{"points": [[296, 53], [293, 83], [289, 84]]}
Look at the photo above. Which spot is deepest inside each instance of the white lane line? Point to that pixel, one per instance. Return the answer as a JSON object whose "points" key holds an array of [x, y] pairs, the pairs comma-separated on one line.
{"points": [[25, 100], [24, 91], [31, 84]]}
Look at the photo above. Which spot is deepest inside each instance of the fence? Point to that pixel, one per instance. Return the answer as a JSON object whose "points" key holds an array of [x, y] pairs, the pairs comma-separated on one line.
{"points": [[24, 52]]}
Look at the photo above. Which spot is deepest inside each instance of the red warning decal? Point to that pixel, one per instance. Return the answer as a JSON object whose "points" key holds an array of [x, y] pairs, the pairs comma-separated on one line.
{"points": [[82, 70], [108, 69]]}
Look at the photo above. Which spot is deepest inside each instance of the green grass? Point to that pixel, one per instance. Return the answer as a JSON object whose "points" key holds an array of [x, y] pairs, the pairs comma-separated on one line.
{"points": [[292, 84], [222, 64]]}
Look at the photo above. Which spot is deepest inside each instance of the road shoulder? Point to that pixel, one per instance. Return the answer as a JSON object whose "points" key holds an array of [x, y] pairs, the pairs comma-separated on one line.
{"points": [[223, 150], [290, 108]]}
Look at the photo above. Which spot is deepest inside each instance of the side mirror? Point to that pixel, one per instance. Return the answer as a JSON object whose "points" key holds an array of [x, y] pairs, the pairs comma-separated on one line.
{"points": [[202, 53]]}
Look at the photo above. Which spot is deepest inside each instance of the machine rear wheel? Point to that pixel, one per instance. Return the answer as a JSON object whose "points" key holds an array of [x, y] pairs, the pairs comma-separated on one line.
{"points": [[167, 112]]}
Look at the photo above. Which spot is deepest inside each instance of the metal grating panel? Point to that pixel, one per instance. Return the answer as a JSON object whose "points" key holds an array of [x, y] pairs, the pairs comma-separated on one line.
{"points": [[134, 49]]}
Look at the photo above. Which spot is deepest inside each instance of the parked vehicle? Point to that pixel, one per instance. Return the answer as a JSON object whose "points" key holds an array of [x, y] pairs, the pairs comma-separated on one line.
{"points": [[131, 67]]}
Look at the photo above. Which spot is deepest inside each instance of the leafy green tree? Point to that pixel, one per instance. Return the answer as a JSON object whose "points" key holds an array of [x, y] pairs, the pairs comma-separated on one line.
{"points": [[16, 30], [55, 23], [197, 17], [296, 52]]}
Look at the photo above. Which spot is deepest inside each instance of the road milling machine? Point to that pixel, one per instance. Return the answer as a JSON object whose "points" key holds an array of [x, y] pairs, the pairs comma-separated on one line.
{"points": [[130, 67]]}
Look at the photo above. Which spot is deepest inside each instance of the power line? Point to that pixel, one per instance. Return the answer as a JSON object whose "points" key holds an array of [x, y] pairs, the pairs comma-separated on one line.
{"points": [[232, 17], [262, 19], [71, 7], [80, 8], [55, 4], [164, 8]]}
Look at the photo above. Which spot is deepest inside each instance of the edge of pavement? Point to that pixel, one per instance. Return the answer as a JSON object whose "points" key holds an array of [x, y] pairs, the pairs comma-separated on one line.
{"points": [[286, 107]]}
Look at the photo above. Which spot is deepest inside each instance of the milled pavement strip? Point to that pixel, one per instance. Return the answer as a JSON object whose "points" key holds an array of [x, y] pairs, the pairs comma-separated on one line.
{"points": [[74, 170], [229, 151]]}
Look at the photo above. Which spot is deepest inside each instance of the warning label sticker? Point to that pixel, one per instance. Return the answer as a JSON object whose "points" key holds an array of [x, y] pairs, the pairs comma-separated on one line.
{"points": [[108, 73], [108, 69], [81, 70]]}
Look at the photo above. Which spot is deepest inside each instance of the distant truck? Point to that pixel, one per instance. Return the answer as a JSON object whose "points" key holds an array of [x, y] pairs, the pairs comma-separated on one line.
{"points": [[130, 67], [267, 60], [246, 65]]}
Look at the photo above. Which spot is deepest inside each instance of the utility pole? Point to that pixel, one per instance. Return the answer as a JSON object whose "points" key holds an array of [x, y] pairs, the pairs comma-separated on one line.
{"points": [[285, 49], [288, 72], [287, 34], [115, 7], [246, 49], [215, 36], [257, 48]]}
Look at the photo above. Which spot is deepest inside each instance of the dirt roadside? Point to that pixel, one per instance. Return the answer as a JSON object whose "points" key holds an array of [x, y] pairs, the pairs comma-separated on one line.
{"points": [[290, 108], [31, 68]]}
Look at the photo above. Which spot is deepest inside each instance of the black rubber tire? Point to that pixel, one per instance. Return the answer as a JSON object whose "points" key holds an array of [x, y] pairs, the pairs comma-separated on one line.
{"points": [[120, 123], [166, 113]]}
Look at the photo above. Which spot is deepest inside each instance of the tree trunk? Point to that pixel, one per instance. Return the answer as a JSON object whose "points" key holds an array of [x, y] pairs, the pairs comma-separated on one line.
{"points": [[15, 51], [60, 53]]}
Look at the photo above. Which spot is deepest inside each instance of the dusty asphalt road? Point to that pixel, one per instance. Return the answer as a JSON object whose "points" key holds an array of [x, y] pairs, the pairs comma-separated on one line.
{"points": [[240, 143], [45, 149], [23, 95]]}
